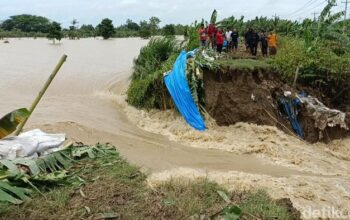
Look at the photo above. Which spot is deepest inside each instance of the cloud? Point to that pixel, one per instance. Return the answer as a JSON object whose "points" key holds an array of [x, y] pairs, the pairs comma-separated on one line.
{"points": [[175, 11]]}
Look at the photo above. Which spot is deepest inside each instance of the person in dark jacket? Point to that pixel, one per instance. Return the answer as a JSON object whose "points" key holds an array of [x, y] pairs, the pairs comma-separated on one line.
{"points": [[264, 43], [247, 35], [234, 39], [253, 40]]}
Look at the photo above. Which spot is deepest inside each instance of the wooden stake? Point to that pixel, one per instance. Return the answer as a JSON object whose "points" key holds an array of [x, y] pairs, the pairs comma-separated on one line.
{"points": [[42, 92], [296, 77]]}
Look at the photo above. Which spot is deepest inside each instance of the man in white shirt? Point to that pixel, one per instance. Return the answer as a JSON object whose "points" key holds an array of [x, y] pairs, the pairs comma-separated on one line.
{"points": [[229, 39]]}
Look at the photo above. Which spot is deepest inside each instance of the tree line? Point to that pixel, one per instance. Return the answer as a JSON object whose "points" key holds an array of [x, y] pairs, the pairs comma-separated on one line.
{"points": [[37, 26]]}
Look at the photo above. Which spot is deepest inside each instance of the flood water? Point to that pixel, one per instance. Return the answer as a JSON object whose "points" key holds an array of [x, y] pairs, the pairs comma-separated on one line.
{"points": [[86, 102], [81, 102]]}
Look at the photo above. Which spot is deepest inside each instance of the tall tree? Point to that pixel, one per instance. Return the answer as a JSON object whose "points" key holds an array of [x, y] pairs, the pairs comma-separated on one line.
{"points": [[168, 30], [132, 25], [145, 30], [72, 34], [154, 25], [87, 30], [26, 23], [106, 28], [55, 32]]}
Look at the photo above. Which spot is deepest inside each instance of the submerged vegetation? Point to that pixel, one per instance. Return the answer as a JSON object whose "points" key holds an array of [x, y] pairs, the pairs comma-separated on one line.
{"points": [[37, 26]]}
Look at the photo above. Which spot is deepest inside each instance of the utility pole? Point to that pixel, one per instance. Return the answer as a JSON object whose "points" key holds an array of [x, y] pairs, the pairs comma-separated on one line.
{"points": [[315, 13], [346, 2], [275, 17]]}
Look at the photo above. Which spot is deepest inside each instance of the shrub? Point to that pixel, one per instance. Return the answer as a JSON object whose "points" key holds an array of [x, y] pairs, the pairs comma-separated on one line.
{"points": [[319, 68], [153, 56], [147, 88]]}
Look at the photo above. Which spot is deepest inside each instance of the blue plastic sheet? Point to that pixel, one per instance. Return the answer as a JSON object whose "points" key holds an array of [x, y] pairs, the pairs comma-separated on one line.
{"points": [[289, 107], [180, 92]]}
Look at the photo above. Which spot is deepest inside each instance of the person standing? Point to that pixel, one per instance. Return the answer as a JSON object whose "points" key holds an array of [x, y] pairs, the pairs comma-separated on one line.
{"points": [[272, 43], [211, 35], [264, 43], [203, 36], [228, 39], [253, 41], [247, 35], [234, 39], [219, 41]]}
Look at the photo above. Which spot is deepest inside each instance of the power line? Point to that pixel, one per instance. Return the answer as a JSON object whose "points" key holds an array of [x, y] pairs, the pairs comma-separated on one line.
{"points": [[303, 7], [346, 2], [307, 8], [312, 9]]}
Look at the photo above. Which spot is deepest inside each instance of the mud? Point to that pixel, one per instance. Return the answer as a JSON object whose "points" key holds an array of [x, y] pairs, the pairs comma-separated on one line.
{"points": [[250, 96], [233, 97]]}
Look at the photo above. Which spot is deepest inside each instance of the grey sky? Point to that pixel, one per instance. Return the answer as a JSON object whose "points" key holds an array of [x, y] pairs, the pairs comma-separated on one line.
{"points": [[175, 11]]}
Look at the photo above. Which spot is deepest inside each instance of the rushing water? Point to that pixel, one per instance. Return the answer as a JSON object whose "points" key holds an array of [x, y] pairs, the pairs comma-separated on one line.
{"points": [[80, 103]]}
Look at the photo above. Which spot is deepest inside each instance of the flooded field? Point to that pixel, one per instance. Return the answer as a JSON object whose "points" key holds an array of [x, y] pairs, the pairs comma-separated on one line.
{"points": [[86, 101]]}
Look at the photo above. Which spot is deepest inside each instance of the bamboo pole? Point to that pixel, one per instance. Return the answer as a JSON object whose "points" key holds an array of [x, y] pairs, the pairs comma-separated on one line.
{"points": [[42, 92], [296, 77]]}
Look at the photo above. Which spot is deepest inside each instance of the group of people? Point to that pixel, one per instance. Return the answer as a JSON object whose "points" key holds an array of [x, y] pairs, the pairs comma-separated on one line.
{"points": [[268, 42], [217, 39]]}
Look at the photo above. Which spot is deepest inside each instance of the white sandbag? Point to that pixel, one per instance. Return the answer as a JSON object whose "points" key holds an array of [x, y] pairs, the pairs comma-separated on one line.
{"points": [[30, 144]]}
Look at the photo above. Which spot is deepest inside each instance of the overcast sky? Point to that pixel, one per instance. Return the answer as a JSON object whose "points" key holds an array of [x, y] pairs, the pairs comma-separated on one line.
{"points": [[174, 11]]}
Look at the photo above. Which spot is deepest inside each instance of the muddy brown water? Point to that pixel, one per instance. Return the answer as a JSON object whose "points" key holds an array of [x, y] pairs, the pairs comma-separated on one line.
{"points": [[81, 103]]}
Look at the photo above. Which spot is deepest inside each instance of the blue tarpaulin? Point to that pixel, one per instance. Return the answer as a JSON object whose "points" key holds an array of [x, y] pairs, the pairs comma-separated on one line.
{"points": [[180, 92], [289, 107]]}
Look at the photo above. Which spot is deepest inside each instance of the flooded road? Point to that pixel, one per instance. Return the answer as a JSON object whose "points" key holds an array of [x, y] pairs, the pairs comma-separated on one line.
{"points": [[85, 101]]}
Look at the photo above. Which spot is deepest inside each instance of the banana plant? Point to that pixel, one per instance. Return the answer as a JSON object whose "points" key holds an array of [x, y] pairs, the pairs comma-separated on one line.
{"points": [[329, 27], [9, 122], [214, 16]]}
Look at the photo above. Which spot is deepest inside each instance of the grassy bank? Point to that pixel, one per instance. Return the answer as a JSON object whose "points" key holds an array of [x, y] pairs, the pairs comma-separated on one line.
{"points": [[113, 188], [147, 89], [316, 53]]}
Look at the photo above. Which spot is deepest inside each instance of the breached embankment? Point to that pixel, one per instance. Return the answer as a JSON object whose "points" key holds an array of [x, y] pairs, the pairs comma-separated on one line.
{"points": [[239, 95], [330, 163], [237, 98]]}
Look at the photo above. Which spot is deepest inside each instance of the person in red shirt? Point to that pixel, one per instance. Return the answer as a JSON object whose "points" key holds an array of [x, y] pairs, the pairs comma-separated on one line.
{"points": [[203, 36], [211, 35], [219, 41]]}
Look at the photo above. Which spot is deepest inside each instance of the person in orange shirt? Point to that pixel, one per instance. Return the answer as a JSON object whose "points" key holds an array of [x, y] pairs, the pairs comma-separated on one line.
{"points": [[272, 42], [203, 36]]}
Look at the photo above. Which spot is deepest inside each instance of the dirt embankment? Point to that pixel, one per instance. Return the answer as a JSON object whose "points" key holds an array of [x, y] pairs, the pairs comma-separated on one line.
{"points": [[234, 96]]}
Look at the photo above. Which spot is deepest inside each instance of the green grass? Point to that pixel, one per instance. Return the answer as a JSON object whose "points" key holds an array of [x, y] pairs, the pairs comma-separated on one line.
{"points": [[187, 198], [260, 204], [147, 89], [113, 186]]}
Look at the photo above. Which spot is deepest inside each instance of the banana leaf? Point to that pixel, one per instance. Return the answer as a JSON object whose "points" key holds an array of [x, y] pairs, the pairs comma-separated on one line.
{"points": [[9, 122], [12, 194], [213, 17], [45, 171]]}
